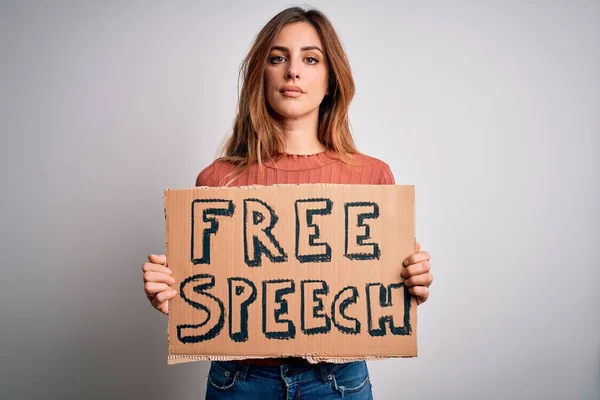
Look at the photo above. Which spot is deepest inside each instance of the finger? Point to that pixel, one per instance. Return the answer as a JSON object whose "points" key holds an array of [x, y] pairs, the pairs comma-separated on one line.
{"points": [[417, 246], [417, 257], [158, 259], [419, 280], [164, 308], [416, 269], [163, 296], [153, 288], [420, 292], [161, 301], [159, 277], [148, 266]]}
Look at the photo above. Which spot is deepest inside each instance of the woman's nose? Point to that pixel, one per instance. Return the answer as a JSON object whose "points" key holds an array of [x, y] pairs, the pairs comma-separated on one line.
{"points": [[292, 71]]}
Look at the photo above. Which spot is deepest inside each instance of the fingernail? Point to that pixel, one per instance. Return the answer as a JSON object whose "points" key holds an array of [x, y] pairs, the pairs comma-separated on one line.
{"points": [[172, 280], [405, 263]]}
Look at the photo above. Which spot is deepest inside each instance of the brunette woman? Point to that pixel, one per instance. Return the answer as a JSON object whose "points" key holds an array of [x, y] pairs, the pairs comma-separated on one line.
{"points": [[292, 127]]}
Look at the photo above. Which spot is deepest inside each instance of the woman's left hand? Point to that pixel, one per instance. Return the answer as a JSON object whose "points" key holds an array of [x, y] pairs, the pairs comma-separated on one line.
{"points": [[417, 274]]}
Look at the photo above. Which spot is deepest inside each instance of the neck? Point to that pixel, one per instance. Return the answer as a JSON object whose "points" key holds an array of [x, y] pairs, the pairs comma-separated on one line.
{"points": [[301, 135]]}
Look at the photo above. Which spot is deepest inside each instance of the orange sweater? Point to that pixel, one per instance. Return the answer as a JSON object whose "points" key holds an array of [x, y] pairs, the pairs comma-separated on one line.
{"points": [[323, 167]]}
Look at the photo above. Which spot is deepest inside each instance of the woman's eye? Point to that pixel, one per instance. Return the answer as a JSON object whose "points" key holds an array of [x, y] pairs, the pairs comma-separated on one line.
{"points": [[277, 59], [312, 60]]}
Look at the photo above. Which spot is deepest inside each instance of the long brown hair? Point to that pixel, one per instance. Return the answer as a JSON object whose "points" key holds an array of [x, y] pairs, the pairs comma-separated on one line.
{"points": [[256, 135]]}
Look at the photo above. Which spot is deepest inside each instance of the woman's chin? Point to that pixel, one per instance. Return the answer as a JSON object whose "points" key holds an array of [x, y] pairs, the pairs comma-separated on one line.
{"points": [[291, 113]]}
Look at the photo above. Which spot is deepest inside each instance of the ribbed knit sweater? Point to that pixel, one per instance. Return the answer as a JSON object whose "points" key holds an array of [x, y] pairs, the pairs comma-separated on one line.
{"points": [[325, 167]]}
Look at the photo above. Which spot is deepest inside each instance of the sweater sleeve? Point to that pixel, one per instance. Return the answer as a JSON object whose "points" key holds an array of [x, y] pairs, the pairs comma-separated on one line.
{"points": [[206, 177], [387, 176]]}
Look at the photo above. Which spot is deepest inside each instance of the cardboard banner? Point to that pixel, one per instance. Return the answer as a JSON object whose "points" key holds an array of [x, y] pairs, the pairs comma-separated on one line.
{"points": [[290, 270]]}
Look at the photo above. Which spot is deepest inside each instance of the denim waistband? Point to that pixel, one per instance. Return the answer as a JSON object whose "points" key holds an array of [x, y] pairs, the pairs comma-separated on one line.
{"points": [[291, 373]]}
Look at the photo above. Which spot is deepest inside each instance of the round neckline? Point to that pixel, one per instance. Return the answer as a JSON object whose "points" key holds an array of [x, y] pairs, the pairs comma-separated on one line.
{"points": [[302, 162]]}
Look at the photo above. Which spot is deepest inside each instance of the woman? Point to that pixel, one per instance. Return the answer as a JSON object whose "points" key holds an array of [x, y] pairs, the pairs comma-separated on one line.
{"points": [[292, 127]]}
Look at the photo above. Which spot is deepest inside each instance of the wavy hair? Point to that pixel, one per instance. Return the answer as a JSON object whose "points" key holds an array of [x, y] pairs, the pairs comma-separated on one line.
{"points": [[256, 135]]}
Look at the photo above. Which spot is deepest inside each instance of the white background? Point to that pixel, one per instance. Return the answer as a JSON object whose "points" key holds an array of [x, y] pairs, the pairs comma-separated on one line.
{"points": [[490, 108]]}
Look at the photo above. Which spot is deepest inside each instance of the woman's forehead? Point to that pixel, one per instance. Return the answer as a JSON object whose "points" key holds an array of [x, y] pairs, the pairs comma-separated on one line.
{"points": [[297, 35]]}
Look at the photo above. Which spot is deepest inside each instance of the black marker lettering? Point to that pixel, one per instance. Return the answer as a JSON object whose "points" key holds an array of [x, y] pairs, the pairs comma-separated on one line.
{"points": [[242, 293], [259, 220], [208, 209], [356, 247], [312, 318], [306, 209], [271, 315], [341, 301], [386, 300], [193, 292]]}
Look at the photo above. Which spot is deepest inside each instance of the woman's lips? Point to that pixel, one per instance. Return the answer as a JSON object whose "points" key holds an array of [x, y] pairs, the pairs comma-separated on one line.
{"points": [[291, 93]]}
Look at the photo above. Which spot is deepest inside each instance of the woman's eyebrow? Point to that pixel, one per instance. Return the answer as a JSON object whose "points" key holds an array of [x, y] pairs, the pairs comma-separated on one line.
{"points": [[306, 48]]}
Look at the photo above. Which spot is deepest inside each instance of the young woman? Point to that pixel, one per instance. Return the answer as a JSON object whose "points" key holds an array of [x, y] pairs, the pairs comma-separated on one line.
{"points": [[291, 127]]}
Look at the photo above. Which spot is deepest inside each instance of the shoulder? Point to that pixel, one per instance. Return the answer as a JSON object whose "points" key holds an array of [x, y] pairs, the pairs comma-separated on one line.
{"points": [[214, 173], [382, 173]]}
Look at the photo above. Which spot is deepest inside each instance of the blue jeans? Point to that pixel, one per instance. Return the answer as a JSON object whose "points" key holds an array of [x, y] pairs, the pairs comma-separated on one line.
{"points": [[233, 381]]}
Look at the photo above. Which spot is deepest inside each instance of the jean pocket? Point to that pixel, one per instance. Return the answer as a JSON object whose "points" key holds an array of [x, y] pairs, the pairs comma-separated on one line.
{"points": [[350, 378], [222, 375]]}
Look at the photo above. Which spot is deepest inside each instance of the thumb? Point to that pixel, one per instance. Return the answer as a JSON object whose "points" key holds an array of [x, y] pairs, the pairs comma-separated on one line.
{"points": [[417, 246], [158, 259]]}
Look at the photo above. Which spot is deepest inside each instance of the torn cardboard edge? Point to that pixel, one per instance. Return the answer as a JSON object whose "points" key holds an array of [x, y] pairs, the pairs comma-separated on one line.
{"points": [[277, 185], [180, 359], [313, 359]]}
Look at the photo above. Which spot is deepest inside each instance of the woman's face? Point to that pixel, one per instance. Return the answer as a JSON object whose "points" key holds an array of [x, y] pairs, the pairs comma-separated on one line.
{"points": [[296, 76]]}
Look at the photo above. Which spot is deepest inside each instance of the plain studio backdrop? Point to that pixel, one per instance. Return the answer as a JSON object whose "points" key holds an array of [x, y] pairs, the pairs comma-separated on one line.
{"points": [[490, 108]]}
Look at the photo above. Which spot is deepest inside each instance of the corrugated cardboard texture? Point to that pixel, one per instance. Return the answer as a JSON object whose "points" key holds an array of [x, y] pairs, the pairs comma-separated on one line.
{"points": [[290, 270]]}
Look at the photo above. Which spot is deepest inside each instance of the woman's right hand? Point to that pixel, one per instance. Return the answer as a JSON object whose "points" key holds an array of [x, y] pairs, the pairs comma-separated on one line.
{"points": [[157, 281]]}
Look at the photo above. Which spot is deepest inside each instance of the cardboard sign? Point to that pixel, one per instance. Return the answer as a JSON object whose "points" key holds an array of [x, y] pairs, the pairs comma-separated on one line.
{"points": [[290, 270]]}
